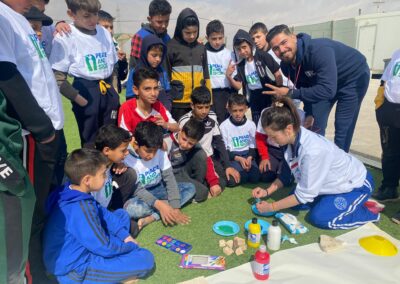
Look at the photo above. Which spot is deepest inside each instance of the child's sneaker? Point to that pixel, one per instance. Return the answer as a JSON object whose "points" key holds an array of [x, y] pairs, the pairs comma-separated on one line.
{"points": [[385, 194], [396, 218], [374, 206]]}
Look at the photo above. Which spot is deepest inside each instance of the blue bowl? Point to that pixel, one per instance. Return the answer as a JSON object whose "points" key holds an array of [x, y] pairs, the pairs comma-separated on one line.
{"points": [[265, 214]]}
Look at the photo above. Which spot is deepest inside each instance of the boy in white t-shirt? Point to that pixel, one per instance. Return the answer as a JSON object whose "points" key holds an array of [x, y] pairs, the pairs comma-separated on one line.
{"points": [[239, 136], [218, 59], [88, 54], [158, 192]]}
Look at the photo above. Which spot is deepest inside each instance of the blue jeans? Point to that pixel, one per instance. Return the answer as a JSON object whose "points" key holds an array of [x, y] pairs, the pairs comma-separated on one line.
{"points": [[137, 208]]}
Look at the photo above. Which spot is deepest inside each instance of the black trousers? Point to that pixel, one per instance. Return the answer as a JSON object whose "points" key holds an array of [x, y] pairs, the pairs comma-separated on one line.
{"points": [[389, 126], [178, 112], [124, 185], [100, 110], [220, 100]]}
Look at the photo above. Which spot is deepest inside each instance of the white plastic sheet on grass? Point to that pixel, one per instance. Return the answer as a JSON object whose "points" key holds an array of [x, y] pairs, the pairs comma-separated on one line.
{"points": [[308, 264]]}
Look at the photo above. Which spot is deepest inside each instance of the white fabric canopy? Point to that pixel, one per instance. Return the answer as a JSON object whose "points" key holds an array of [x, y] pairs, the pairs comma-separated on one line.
{"points": [[308, 264]]}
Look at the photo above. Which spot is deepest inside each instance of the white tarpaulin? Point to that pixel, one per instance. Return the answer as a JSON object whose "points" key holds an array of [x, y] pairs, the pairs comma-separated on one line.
{"points": [[308, 264]]}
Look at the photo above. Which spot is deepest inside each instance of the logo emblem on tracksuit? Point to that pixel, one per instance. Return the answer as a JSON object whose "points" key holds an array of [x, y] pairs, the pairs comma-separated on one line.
{"points": [[310, 74], [340, 203]]}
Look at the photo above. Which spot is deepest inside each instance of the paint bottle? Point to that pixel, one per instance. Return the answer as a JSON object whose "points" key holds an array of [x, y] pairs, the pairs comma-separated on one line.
{"points": [[254, 236], [274, 236], [260, 265]]}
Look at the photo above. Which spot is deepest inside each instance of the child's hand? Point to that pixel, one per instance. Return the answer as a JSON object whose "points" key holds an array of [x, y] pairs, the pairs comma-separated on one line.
{"points": [[249, 160], [119, 168], [181, 218], [81, 101], [265, 165], [264, 206], [308, 122], [121, 55], [234, 173], [130, 239], [231, 68], [62, 28], [242, 161], [215, 190], [159, 120], [259, 192]]}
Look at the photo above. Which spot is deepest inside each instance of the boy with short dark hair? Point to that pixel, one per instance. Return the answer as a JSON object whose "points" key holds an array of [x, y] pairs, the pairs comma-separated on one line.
{"points": [[152, 56], [91, 68], [218, 58], [159, 13], [146, 107], [239, 136], [113, 142], [187, 157], [212, 140], [186, 62], [254, 70], [158, 192], [121, 68], [84, 241], [258, 33]]}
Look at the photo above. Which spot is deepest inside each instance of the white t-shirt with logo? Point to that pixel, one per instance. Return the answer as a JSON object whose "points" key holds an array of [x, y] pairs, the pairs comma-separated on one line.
{"points": [[20, 45], [252, 78], [91, 57], [238, 138], [148, 172], [218, 62], [391, 76], [103, 196]]}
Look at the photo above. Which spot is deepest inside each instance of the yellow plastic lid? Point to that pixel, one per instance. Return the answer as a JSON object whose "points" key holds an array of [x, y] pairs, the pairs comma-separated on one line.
{"points": [[378, 245]]}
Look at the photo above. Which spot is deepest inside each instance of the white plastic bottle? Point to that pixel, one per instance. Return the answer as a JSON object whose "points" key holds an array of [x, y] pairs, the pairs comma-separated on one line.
{"points": [[274, 236]]}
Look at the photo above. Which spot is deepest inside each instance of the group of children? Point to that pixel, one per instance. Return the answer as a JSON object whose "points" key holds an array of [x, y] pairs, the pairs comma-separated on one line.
{"points": [[182, 136]]}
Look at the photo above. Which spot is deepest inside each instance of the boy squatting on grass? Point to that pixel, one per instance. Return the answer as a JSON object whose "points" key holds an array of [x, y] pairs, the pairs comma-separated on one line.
{"points": [[239, 137], [218, 162], [158, 194], [82, 240]]}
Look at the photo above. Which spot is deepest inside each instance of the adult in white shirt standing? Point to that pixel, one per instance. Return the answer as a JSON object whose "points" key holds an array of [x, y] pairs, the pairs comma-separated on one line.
{"points": [[20, 46], [387, 110], [333, 183]]}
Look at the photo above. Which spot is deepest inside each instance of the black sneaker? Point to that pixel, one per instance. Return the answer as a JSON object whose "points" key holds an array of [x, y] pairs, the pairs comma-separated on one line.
{"points": [[396, 218], [385, 194]]}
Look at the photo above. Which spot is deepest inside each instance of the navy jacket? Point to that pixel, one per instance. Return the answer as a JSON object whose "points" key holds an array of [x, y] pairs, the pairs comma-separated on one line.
{"points": [[79, 226], [326, 66]]}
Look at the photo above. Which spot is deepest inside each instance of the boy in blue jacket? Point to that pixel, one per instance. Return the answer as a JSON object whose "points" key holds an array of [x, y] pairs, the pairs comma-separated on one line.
{"points": [[83, 241], [152, 56]]}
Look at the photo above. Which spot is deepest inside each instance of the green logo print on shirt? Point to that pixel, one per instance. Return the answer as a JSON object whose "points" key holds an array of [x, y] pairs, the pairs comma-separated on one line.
{"points": [[215, 69], [241, 141], [108, 189], [396, 70], [150, 176], [96, 62], [253, 78], [38, 47]]}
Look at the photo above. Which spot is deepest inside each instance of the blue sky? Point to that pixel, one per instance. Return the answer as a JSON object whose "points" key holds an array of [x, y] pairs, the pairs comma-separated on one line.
{"points": [[235, 13]]}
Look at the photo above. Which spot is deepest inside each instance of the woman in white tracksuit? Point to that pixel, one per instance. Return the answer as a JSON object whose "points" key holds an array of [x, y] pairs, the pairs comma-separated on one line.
{"points": [[333, 183]]}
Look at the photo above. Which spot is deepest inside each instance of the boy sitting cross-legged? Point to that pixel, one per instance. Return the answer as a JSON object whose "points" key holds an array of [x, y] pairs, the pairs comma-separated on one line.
{"points": [[211, 142], [158, 192], [82, 240], [239, 136]]}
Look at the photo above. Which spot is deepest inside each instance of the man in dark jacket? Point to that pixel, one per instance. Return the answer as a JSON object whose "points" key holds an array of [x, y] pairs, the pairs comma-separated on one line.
{"points": [[324, 72]]}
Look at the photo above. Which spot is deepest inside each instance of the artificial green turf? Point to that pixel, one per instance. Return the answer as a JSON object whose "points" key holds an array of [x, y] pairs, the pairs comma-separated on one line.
{"points": [[233, 204]]}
